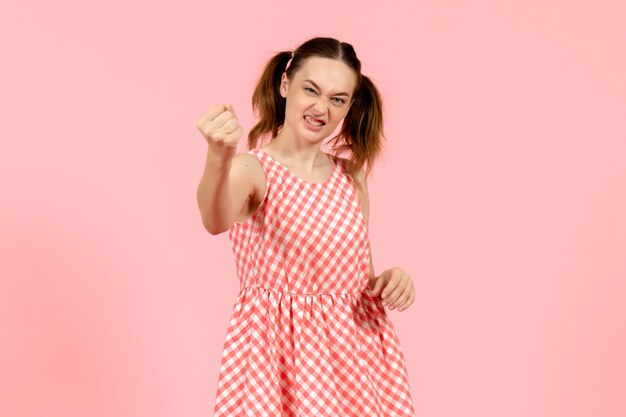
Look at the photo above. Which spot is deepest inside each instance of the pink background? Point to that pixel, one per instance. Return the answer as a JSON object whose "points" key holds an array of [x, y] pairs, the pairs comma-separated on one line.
{"points": [[502, 192]]}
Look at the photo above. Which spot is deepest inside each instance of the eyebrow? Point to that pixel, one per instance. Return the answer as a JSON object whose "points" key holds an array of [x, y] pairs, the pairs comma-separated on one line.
{"points": [[316, 86]]}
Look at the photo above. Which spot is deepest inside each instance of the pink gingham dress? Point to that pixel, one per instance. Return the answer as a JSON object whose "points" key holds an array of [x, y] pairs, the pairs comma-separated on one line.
{"points": [[305, 339]]}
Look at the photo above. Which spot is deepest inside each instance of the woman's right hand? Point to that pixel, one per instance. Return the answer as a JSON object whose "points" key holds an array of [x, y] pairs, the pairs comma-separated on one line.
{"points": [[221, 129]]}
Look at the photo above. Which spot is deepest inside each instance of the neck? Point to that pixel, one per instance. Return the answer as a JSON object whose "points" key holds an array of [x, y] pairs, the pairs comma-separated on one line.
{"points": [[296, 153]]}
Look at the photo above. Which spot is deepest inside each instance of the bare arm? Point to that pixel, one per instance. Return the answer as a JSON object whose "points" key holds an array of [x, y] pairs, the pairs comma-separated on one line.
{"points": [[226, 185], [394, 282], [224, 191], [364, 197]]}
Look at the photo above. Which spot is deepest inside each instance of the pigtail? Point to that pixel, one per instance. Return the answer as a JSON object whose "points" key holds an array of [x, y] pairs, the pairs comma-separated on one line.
{"points": [[267, 101], [362, 130]]}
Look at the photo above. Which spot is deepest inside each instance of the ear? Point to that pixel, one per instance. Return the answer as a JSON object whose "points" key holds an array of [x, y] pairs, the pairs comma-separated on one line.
{"points": [[284, 85]]}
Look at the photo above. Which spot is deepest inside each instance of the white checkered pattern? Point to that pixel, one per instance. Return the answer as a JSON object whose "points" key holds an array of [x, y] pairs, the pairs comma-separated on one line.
{"points": [[305, 339]]}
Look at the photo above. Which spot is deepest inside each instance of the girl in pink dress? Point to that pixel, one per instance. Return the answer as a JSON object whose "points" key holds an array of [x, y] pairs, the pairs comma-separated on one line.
{"points": [[309, 334]]}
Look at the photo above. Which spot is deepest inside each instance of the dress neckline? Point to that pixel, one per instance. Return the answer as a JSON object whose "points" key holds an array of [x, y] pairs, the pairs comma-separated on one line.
{"points": [[302, 180]]}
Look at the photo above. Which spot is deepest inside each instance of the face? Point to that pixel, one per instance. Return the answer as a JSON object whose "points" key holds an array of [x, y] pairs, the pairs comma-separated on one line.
{"points": [[322, 88]]}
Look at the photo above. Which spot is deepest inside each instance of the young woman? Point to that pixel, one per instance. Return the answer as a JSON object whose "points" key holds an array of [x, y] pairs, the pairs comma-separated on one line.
{"points": [[309, 334]]}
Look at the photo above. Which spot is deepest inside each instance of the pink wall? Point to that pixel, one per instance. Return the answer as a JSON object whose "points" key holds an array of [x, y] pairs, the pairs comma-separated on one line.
{"points": [[502, 192]]}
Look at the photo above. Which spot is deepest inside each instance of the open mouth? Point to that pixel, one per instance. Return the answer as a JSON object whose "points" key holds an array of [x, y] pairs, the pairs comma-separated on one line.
{"points": [[313, 121]]}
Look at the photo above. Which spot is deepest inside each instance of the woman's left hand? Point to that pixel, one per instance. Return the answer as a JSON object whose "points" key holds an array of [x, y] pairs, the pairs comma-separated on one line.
{"points": [[396, 287]]}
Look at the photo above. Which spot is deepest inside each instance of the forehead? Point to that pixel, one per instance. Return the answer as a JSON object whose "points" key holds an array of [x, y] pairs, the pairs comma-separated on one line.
{"points": [[328, 73]]}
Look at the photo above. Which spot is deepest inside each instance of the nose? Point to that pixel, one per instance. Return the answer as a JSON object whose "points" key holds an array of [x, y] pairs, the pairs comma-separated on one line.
{"points": [[320, 106]]}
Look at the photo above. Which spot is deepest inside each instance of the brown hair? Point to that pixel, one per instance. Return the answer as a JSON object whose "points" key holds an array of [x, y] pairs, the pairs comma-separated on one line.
{"points": [[362, 130]]}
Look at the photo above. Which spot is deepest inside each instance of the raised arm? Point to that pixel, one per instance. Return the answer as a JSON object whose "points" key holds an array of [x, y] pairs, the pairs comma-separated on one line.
{"points": [[226, 185]]}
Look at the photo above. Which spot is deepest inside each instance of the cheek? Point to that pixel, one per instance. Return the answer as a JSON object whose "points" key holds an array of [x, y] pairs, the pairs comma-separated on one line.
{"points": [[336, 115]]}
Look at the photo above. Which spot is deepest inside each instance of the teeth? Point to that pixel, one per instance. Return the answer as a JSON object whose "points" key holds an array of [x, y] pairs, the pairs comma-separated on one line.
{"points": [[313, 122]]}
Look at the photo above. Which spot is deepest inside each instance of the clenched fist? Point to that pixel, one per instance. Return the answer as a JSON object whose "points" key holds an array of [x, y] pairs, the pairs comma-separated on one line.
{"points": [[221, 129]]}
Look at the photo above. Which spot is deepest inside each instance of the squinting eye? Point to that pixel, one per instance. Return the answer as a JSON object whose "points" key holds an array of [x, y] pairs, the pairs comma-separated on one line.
{"points": [[341, 100], [309, 89]]}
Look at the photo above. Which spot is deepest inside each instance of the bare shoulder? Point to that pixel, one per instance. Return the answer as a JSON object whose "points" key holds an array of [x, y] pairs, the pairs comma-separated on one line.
{"points": [[247, 172]]}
